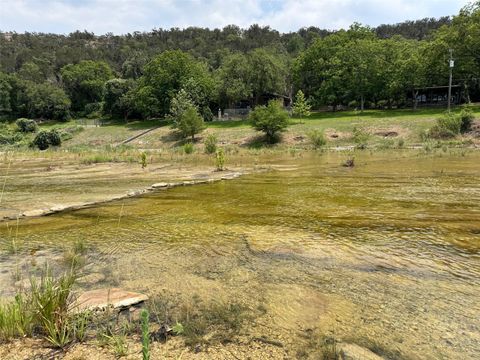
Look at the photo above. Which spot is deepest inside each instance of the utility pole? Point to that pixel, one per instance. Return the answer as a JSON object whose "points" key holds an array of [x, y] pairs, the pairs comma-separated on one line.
{"points": [[451, 63]]}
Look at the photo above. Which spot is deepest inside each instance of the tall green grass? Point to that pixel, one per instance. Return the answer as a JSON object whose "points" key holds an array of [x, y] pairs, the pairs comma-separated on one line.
{"points": [[42, 310]]}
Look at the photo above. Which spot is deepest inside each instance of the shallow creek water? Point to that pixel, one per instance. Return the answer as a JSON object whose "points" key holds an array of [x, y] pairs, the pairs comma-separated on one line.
{"points": [[384, 254]]}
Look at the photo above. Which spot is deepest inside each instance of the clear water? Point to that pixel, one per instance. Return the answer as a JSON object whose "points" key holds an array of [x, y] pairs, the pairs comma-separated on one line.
{"points": [[385, 253]]}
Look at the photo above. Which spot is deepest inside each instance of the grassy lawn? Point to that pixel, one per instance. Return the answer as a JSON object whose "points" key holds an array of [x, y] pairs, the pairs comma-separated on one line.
{"points": [[406, 122]]}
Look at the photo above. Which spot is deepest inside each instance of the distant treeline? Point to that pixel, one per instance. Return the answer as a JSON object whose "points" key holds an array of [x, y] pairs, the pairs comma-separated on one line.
{"points": [[137, 74]]}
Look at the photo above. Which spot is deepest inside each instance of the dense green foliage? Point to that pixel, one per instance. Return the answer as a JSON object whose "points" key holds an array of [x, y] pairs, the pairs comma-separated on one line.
{"points": [[139, 75], [449, 125], [270, 119], [26, 125], [85, 82], [44, 139]]}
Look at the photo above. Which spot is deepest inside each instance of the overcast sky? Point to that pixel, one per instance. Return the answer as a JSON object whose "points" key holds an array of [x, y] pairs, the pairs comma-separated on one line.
{"points": [[123, 16]]}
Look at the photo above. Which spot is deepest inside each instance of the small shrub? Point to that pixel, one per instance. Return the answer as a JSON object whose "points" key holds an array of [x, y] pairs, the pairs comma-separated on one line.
{"points": [[317, 139], [447, 126], [211, 144], [42, 140], [10, 139], [271, 119], [466, 119], [401, 143], [188, 148], [26, 125], [143, 159], [54, 138], [220, 159], [425, 135]]}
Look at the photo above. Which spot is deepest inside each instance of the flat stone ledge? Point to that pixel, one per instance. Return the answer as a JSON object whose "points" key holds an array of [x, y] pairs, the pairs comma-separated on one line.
{"points": [[101, 299]]}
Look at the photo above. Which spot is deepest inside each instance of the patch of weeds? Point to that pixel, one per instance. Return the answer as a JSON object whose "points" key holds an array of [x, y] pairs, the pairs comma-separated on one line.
{"points": [[116, 342], [43, 310], [98, 158], [79, 325], [360, 138], [49, 301], [200, 322], [317, 139], [74, 257], [16, 319], [210, 144], [216, 322], [386, 144]]}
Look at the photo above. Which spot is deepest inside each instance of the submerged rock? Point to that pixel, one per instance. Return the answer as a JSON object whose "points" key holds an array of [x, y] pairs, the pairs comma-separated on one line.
{"points": [[100, 299], [356, 352], [35, 212]]}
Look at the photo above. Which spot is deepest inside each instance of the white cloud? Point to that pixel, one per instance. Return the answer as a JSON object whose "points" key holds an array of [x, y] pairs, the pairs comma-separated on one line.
{"points": [[122, 16]]}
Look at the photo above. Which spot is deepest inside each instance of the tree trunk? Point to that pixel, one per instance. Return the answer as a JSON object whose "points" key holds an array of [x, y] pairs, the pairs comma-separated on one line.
{"points": [[415, 100], [362, 103]]}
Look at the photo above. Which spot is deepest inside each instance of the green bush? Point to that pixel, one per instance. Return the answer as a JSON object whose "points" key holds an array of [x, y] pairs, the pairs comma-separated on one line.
{"points": [[10, 139], [447, 126], [317, 138], [466, 119], [210, 143], [44, 139], [270, 119], [220, 159], [188, 148], [26, 125], [54, 138]]}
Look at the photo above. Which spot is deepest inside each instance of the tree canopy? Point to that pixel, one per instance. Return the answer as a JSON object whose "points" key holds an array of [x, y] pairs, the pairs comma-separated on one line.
{"points": [[138, 74]]}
